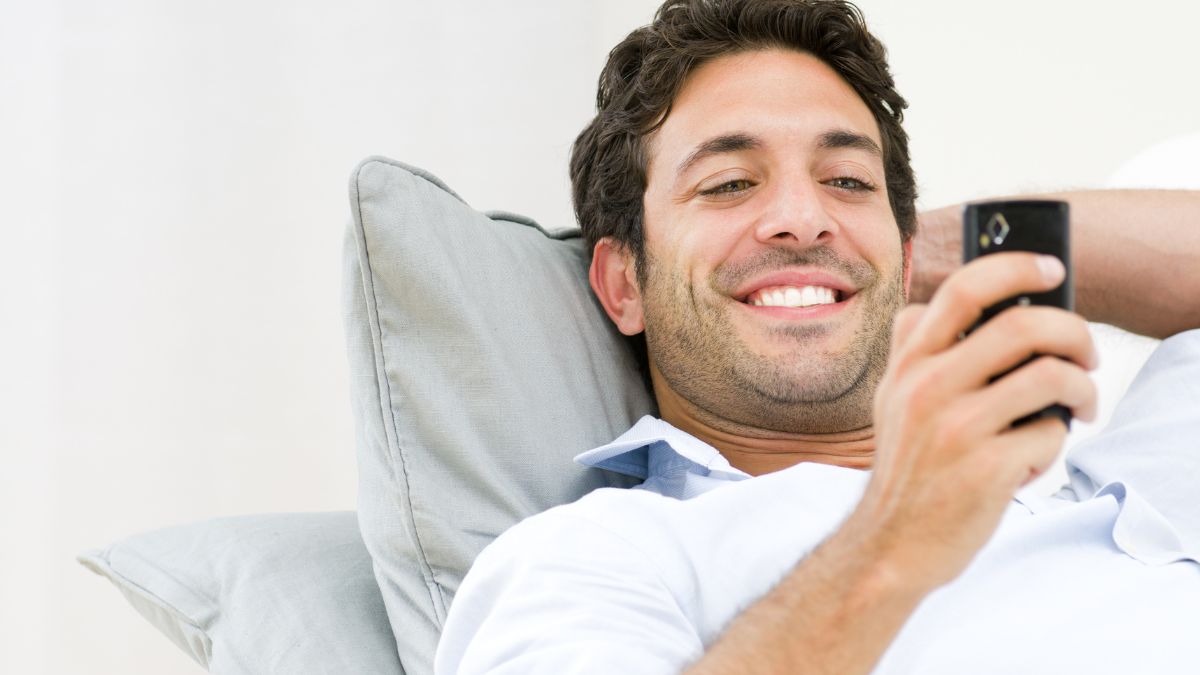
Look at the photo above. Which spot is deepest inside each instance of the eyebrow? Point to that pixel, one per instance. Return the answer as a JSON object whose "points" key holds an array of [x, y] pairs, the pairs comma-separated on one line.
{"points": [[840, 138], [718, 145], [737, 142]]}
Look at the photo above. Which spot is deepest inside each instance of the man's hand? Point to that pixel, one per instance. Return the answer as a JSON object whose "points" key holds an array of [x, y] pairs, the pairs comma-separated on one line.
{"points": [[947, 460], [947, 463]]}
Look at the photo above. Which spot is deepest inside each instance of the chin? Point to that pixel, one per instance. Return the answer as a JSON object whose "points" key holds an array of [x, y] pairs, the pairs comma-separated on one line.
{"points": [[794, 379]]}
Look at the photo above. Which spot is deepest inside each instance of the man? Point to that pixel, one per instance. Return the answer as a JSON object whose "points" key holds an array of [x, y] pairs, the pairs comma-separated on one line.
{"points": [[746, 189]]}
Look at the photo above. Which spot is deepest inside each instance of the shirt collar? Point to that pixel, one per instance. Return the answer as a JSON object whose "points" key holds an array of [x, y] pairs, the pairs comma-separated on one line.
{"points": [[628, 454]]}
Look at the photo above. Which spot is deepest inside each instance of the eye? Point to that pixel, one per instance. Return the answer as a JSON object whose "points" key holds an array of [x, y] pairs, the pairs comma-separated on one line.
{"points": [[851, 184], [728, 188]]}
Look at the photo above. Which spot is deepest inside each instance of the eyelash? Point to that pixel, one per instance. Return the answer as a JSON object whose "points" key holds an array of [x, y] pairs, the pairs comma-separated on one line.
{"points": [[721, 191], [863, 186]]}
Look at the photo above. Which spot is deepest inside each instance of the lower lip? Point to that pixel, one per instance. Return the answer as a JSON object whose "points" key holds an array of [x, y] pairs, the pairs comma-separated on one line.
{"points": [[799, 313]]}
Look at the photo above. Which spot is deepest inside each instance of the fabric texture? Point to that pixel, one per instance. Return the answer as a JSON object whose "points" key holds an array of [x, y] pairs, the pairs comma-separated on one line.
{"points": [[1151, 449], [1103, 578], [281, 593], [670, 462], [480, 363]]}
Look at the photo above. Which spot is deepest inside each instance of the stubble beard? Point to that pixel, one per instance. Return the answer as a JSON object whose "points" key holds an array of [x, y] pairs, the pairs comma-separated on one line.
{"points": [[694, 345]]}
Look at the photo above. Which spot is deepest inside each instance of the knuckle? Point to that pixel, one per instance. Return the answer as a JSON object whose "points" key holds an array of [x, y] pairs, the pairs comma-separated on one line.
{"points": [[955, 430], [1020, 321], [962, 295], [1049, 372], [919, 392]]}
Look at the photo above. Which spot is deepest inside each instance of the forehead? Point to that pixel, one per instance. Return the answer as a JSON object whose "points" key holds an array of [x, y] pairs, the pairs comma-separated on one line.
{"points": [[784, 96]]}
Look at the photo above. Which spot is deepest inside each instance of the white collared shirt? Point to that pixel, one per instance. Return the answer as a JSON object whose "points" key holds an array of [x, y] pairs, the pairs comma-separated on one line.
{"points": [[1102, 578], [670, 462]]}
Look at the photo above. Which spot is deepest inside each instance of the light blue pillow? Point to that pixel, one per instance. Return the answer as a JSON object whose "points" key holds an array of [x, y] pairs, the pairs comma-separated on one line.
{"points": [[480, 364], [284, 593]]}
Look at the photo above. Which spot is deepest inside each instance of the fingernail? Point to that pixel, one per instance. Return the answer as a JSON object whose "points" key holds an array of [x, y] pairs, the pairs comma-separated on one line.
{"points": [[1051, 267]]}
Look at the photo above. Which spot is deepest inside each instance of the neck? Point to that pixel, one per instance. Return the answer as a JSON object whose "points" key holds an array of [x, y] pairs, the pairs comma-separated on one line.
{"points": [[759, 451]]}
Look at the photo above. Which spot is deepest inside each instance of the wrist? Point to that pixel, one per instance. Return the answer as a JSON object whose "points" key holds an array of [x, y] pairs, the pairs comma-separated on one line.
{"points": [[877, 570], [886, 566]]}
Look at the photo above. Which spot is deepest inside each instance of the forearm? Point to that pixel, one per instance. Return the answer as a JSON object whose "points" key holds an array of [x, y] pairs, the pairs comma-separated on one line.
{"points": [[835, 612], [1138, 259], [1135, 253]]}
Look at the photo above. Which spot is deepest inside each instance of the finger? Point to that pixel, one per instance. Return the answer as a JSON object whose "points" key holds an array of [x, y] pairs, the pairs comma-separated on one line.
{"points": [[1016, 334], [1026, 452], [983, 282], [1042, 382], [906, 320]]}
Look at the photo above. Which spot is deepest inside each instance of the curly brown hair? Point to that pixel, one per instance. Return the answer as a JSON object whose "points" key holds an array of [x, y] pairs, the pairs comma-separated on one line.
{"points": [[646, 70]]}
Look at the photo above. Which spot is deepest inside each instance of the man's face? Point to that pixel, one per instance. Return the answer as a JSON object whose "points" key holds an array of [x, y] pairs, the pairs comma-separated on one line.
{"points": [[773, 264]]}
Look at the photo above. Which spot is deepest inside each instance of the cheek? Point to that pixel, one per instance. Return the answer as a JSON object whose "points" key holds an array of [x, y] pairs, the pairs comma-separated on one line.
{"points": [[709, 240], [881, 243], [685, 251]]}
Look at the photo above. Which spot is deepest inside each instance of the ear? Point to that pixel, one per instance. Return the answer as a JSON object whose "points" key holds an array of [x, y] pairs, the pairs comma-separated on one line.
{"points": [[907, 247], [614, 280]]}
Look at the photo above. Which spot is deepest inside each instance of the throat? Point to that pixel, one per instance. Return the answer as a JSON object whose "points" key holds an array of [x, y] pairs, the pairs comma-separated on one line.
{"points": [[771, 451], [761, 451]]}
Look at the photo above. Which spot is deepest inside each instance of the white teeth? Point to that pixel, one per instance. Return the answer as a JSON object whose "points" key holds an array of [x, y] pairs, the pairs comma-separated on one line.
{"points": [[808, 296], [793, 296]]}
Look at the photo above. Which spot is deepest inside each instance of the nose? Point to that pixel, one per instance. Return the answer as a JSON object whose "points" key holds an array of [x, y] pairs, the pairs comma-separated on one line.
{"points": [[794, 213]]}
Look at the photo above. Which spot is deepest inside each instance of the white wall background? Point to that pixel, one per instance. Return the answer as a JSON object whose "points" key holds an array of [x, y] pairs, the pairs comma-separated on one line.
{"points": [[173, 192]]}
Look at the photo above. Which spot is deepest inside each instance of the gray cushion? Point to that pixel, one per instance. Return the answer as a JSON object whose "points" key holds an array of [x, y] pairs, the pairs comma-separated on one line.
{"points": [[480, 365], [286, 593]]}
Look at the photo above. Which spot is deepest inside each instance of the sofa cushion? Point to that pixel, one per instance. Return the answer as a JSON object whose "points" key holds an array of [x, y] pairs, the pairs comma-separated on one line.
{"points": [[480, 364], [281, 593]]}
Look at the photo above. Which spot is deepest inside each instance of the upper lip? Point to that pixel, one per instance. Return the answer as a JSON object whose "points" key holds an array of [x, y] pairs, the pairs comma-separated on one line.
{"points": [[798, 278]]}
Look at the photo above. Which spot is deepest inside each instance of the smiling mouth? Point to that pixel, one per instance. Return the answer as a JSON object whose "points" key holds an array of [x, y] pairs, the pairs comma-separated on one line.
{"points": [[795, 296]]}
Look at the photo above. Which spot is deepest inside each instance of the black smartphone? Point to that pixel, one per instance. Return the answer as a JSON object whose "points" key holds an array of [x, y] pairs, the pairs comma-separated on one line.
{"points": [[1041, 226]]}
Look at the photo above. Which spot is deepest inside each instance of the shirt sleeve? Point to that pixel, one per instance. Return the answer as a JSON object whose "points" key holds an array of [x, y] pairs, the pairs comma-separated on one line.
{"points": [[562, 595]]}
